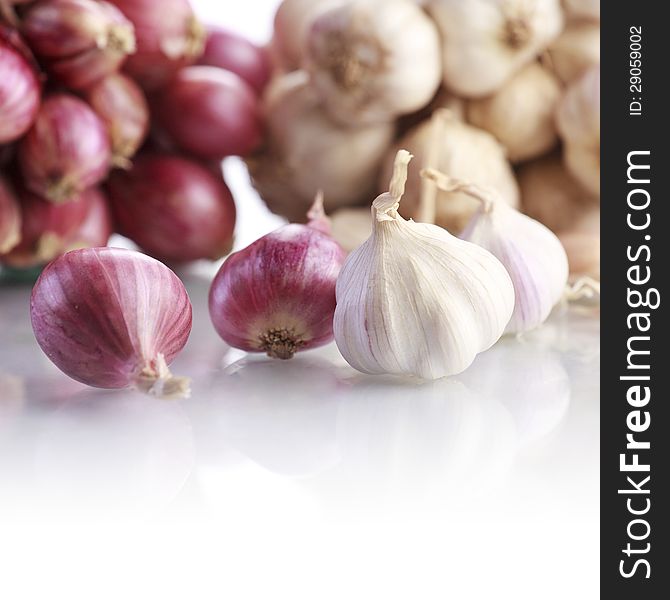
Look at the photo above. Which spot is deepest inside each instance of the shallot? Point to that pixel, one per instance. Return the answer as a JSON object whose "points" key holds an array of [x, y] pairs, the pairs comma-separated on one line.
{"points": [[121, 104], [173, 208], [169, 36], [50, 230], [19, 88], [278, 295], [10, 217], [113, 318], [67, 150], [79, 41], [210, 112], [227, 50]]}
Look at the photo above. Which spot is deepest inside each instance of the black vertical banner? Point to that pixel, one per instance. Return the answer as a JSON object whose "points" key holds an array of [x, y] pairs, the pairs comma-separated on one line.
{"points": [[635, 422]]}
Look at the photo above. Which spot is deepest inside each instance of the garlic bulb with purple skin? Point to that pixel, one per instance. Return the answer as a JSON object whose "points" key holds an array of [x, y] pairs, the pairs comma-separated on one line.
{"points": [[533, 256], [278, 295], [113, 318]]}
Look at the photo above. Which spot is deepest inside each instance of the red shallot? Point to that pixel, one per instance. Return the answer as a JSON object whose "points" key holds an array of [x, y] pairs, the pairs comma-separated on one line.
{"points": [[278, 294], [19, 89], [173, 208], [67, 150], [227, 50], [210, 112], [121, 104], [169, 36], [48, 230], [79, 41], [113, 318], [10, 217]]}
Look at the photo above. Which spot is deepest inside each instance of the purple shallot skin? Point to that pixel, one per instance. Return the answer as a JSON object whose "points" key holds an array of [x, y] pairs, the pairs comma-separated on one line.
{"points": [[278, 295], [112, 318]]}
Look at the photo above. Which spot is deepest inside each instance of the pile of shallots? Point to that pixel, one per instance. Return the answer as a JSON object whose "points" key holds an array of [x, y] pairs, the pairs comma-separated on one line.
{"points": [[114, 116], [502, 94]]}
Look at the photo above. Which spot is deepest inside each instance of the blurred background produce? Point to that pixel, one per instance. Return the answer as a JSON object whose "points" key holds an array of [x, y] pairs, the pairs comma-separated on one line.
{"points": [[115, 117]]}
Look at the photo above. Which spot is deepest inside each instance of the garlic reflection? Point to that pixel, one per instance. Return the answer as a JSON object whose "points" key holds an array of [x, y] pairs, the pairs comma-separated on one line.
{"points": [[436, 442], [529, 380], [531, 253], [415, 300]]}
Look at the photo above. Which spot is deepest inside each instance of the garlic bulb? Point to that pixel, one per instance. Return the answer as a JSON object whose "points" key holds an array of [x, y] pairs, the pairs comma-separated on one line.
{"points": [[292, 19], [464, 151], [575, 50], [351, 226], [414, 300], [550, 194], [521, 113], [583, 9], [373, 60], [486, 41], [578, 121], [583, 250], [531, 253], [306, 152]]}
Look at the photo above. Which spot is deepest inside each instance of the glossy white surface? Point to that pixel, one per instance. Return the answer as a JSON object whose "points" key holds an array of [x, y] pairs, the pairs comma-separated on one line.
{"points": [[301, 480]]}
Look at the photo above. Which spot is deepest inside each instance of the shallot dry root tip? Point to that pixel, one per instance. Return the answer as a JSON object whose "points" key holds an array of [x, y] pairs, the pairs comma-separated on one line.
{"points": [[156, 380], [280, 343], [316, 216]]}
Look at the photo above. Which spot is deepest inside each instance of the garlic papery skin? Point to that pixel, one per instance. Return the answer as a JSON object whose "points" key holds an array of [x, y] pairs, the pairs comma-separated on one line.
{"points": [[351, 226], [415, 300], [292, 19], [531, 253], [306, 151], [578, 122], [485, 41], [575, 50], [550, 195], [373, 60], [466, 152], [521, 113], [583, 9]]}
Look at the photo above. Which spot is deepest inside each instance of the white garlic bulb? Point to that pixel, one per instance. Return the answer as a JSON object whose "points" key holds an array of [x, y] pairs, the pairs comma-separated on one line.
{"points": [[305, 151], [575, 50], [351, 226], [292, 19], [583, 9], [373, 60], [415, 300], [550, 195], [578, 122], [521, 113], [531, 253], [466, 152], [486, 41]]}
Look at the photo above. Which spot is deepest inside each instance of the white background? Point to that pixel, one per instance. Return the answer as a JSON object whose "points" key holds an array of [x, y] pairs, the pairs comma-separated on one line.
{"points": [[301, 480]]}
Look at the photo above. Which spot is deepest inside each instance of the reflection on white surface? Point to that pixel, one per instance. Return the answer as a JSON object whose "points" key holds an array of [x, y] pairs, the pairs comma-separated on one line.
{"points": [[273, 448]]}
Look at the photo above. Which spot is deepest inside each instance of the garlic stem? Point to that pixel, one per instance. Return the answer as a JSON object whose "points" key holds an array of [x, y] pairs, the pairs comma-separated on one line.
{"points": [[427, 210], [446, 183], [386, 205]]}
